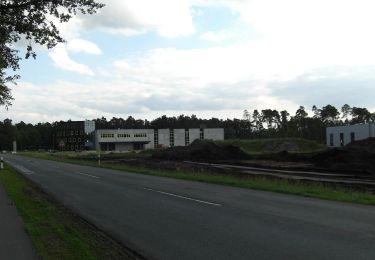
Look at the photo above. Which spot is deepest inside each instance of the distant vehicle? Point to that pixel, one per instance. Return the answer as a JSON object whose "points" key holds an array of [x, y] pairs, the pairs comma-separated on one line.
{"points": [[3, 151]]}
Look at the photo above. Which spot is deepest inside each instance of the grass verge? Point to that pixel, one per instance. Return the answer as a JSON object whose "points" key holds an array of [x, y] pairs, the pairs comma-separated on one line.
{"points": [[314, 190], [55, 231]]}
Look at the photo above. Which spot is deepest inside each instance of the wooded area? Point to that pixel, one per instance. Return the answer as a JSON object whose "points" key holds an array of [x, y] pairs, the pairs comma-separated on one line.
{"points": [[265, 123]]}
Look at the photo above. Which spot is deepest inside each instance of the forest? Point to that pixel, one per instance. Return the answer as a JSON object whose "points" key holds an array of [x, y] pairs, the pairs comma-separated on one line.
{"points": [[266, 123]]}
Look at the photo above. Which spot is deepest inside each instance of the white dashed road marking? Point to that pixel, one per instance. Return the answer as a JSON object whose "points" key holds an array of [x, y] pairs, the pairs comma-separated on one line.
{"points": [[88, 175], [183, 197]]}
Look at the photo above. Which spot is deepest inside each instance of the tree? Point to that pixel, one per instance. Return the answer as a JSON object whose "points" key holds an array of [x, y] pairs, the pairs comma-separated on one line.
{"points": [[360, 115], [301, 113], [329, 114], [271, 118], [284, 121], [346, 110], [31, 20], [316, 111], [257, 120], [246, 115]]}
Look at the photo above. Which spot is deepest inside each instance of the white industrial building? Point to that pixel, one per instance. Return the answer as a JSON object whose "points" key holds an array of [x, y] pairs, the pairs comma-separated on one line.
{"points": [[342, 135], [139, 139]]}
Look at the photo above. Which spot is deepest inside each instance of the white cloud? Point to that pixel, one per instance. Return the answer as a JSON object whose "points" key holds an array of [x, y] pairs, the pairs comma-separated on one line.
{"points": [[219, 36], [296, 36], [79, 45], [62, 100], [61, 59], [169, 18]]}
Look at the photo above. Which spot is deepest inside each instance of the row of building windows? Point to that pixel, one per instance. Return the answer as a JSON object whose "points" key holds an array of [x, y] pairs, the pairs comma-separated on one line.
{"points": [[171, 138], [342, 141], [71, 140], [187, 137], [122, 135], [140, 135], [107, 135], [74, 147], [156, 139], [69, 133]]}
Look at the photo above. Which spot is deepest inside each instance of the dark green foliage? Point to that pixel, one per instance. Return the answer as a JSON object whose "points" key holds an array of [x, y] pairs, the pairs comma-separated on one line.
{"points": [[31, 20], [329, 114], [361, 115]]}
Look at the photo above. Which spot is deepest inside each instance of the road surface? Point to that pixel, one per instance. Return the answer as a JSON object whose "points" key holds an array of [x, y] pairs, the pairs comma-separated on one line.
{"points": [[164, 218]]}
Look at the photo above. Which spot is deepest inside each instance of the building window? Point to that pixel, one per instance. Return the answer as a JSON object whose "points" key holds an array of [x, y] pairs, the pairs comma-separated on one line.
{"points": [[107, 135], [171, 137], [71, 132], [140, 135], [341, 139], [352, 137], [331, 139], [201, 134], [187, 137], [123, 135], [156, 139], [79, 140]]}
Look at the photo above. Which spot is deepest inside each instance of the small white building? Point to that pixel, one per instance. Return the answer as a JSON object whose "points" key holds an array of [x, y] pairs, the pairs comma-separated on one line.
{"points": [[337, 136], [139, 139]]}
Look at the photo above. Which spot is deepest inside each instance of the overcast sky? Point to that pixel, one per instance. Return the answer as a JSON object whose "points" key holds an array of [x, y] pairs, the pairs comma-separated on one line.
{"points": [[148, 58]]}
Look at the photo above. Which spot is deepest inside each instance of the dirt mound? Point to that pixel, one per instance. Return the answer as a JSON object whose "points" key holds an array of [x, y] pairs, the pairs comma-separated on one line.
{"points": [[367, 145], [202, 151], [358, 156], [286, 146]]}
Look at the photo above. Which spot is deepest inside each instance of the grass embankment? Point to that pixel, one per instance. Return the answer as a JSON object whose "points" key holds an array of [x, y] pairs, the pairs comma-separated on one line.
{"points": [[314, 190], [260, 146], [56, 232]]}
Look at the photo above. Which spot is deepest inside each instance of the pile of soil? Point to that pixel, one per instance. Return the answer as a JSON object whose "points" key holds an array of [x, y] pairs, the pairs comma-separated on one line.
{"points": [[286, 146], [367, 145], [358, 156], [202, 151]]}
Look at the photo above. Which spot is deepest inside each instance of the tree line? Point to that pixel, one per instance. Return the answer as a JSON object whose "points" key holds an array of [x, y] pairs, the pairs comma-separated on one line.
{"points": [[266, 123]]}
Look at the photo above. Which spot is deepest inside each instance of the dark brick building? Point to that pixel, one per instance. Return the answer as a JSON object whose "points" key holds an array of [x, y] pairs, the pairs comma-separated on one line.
{"points": [[74, 135]]}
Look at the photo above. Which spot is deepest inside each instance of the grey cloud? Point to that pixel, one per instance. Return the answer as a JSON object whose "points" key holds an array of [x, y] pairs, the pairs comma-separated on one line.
{"points": [[175, 101], [336, 86], [236, 91]]}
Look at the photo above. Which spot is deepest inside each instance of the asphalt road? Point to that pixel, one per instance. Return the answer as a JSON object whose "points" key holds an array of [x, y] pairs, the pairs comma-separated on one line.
{"points": [[164, 218]]}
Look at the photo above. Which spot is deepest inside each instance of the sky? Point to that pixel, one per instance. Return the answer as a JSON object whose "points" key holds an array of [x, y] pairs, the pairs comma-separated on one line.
{"points": [[211, 58]]}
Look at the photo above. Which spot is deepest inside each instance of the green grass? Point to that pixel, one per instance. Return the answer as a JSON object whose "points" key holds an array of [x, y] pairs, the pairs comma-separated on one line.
{"points": [[54, 231], [314, 190], [261, 146]]}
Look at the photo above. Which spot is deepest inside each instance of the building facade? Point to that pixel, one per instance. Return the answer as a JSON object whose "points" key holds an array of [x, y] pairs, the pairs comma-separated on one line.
{"points": [[338, 136], [74, 135], [140, 139]]}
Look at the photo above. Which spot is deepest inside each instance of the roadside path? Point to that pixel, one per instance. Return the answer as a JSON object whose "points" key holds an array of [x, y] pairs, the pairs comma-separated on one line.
{"points": [[14, 242]]}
